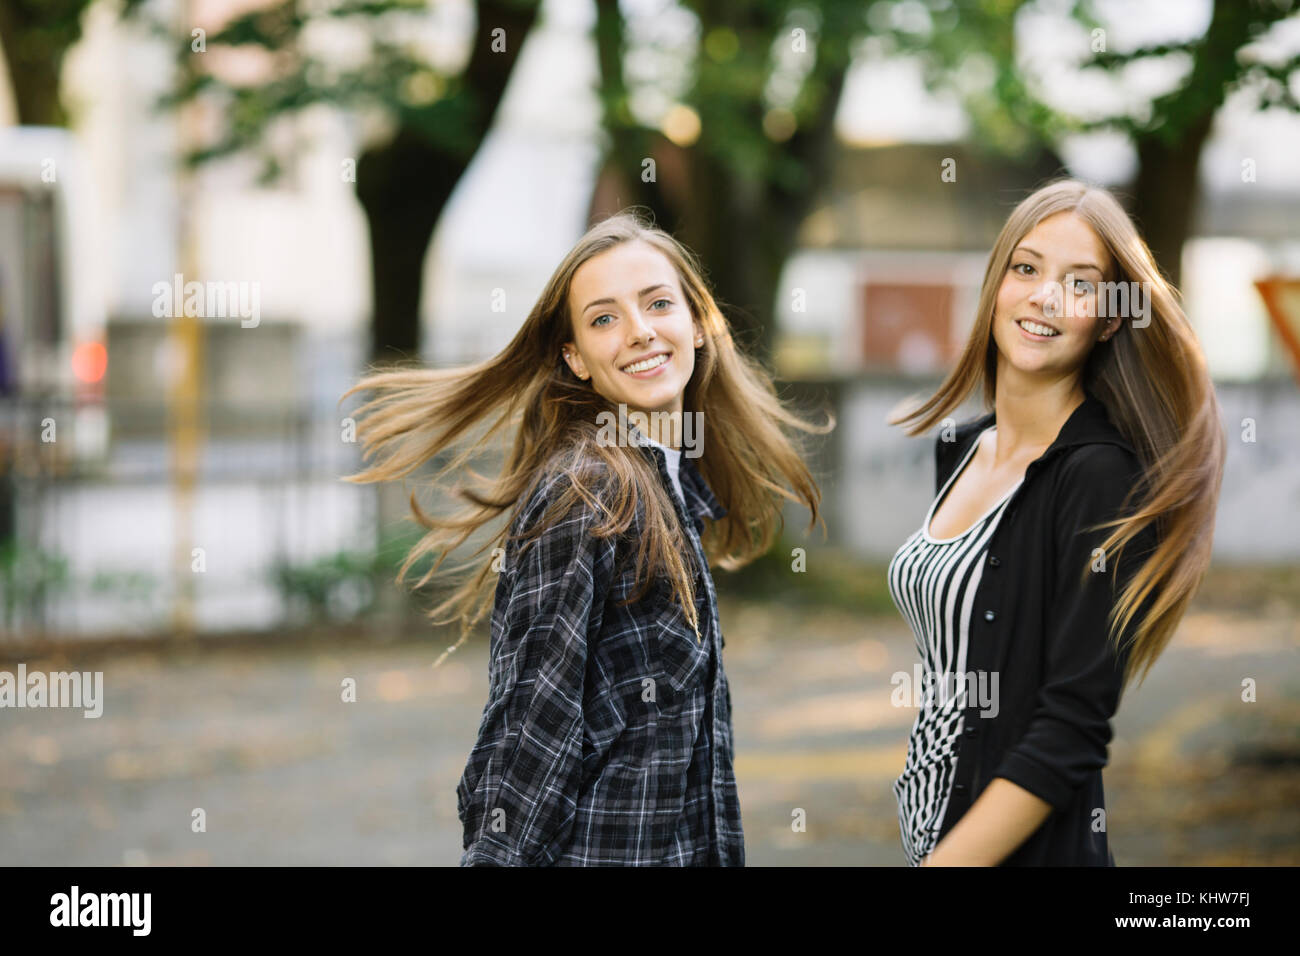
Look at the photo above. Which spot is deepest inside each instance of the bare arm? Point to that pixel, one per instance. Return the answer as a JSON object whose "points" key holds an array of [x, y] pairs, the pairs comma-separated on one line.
{"points": [[1002, 818]]}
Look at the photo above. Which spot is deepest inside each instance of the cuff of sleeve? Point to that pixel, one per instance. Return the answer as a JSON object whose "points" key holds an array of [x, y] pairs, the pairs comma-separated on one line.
{"points": [[1036, 778], [486, 853]]}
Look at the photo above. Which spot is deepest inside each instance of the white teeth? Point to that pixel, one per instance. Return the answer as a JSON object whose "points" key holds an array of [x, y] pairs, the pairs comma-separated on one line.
{"points": [[1037, 329], [645, 366]]}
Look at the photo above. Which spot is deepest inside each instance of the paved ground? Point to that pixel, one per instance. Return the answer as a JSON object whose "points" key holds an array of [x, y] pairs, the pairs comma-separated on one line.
{"points": [[286, 773]]}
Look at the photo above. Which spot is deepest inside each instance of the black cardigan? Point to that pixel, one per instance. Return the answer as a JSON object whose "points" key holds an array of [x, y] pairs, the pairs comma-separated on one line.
{"points": [[1042, 633]]}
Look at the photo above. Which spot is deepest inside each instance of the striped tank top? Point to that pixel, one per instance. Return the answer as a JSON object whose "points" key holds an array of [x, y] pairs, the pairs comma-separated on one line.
{"points": [[933, 582]]}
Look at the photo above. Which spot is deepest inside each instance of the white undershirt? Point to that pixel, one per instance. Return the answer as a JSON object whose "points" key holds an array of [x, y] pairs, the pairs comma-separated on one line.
{"points": [[674, 457]]}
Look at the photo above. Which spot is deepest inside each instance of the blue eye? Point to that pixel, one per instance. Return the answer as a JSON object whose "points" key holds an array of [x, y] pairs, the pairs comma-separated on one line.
{"points": [[597, 320]]}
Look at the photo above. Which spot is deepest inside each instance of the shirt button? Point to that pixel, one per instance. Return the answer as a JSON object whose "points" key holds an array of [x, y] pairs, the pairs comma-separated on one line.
{"points": [[959, 788], [971, 731], [993, 561], [989, 615]]}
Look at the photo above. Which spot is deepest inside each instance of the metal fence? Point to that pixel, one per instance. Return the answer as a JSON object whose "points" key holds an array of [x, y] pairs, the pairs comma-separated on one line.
{"points": [[94, 525]]}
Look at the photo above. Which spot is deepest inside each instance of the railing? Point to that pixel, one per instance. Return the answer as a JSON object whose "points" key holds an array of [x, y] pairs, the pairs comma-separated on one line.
{"points": [[88, 521]]}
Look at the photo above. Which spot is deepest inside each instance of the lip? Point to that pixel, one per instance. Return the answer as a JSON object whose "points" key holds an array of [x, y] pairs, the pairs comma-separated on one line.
{"points": [[1030, 335], [650, 373]]}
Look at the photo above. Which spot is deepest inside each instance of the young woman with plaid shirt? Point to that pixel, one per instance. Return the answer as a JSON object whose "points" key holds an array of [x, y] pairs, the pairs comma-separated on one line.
{"points": [[607, 736]]}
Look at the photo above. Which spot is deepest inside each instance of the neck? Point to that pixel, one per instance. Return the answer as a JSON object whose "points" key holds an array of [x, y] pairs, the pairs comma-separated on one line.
{"points": [[1030, 413], [661, 427]]}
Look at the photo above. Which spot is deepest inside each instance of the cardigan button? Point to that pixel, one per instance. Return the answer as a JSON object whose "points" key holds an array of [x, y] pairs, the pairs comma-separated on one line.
{"points": [[993, 561], [959, 788], [989, 615], [971, 731]]}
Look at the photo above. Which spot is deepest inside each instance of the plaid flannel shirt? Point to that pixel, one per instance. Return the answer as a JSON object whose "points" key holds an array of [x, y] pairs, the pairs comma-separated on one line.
{"points": [[606, 738]]}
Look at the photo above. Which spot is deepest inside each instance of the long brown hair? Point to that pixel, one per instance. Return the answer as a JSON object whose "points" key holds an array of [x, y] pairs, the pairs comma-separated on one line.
{"points": [[749, 456], [1156, 388]]}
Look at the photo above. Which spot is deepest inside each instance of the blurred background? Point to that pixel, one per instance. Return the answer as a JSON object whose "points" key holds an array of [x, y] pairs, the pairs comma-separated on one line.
{"points": [[215, 213]]}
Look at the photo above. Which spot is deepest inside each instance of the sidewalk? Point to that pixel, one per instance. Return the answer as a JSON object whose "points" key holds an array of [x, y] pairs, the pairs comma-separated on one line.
{"points": [[287, 773]]}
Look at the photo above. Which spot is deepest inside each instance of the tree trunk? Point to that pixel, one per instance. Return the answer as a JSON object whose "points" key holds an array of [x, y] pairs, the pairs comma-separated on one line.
{"points": [[404, 184], [1169, 156], [35, 37], [1165, 194], [402, 187]]}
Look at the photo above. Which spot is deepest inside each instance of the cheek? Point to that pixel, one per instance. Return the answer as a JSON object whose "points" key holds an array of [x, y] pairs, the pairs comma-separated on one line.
{"points": [[1006, 299], [688, 362], [684, 341], [1004, 309], [598, 352], [1085, 324]]}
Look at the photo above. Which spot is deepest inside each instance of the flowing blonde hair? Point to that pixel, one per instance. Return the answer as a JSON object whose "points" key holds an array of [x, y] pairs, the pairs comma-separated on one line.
{"points": [[417, 414], [1156, 388]]}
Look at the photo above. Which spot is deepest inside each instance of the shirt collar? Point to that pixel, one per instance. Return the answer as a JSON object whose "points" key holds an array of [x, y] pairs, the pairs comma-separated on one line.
{"points": [[700, 500]]}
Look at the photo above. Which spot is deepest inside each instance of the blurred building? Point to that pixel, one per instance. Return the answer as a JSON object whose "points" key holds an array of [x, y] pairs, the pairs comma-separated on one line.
{"points": [[873, 306], [888, 272], [877, 303]]}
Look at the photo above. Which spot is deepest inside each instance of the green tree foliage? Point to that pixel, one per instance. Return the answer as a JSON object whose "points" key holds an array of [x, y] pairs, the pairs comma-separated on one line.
{"points": [[970, 48], [433, 118], [764, 79]]}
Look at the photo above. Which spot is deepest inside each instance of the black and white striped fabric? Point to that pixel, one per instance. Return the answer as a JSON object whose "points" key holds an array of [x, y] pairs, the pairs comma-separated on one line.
{"points": [[933, 583]]}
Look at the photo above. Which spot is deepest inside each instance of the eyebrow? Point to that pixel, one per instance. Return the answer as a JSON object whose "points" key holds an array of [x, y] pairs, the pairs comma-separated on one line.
{"points": [[644, 292], [1077, 265]]}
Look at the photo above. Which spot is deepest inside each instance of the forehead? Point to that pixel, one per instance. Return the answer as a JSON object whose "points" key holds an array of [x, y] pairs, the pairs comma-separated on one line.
{"points": [[1064, 236], [621, 270]]}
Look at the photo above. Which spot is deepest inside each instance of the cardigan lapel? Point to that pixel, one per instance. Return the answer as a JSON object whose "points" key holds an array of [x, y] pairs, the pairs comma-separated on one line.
{"points": [[1089, 424]]}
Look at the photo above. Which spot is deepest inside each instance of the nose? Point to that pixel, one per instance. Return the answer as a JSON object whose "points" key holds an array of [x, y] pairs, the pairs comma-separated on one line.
{"points": [[638, 329], [1047, 299]]}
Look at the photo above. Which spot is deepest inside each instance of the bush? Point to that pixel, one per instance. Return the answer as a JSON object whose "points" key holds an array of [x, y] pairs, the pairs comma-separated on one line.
{"points": [[828, 577], [344, 586], [28, 577]]}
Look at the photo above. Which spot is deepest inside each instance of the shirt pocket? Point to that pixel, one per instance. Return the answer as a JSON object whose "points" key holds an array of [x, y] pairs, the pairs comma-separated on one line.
{"points": [[682, 658]]}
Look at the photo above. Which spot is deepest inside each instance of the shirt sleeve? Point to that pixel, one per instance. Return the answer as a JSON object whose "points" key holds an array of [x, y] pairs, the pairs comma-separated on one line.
{"points": [[1069, 730], [522, 807]]}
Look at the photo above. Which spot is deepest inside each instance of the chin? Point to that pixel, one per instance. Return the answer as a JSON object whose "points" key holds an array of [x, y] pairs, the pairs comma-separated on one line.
{"points": [[653, 403]]}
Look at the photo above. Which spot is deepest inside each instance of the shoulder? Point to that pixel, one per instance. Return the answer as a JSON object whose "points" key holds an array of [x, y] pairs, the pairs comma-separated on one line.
{"points": [[573, 497], [565, 491], [1098, 464], [1093, 483]]}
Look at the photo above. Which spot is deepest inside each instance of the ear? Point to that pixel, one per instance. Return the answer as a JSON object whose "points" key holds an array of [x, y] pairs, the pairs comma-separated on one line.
{"points": [[575, 362], [699, 335], [1109, 328]]}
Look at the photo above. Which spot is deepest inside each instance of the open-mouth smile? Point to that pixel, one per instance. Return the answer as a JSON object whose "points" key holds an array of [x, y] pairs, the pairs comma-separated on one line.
{"points": [[648, 366], [1037, 331]]}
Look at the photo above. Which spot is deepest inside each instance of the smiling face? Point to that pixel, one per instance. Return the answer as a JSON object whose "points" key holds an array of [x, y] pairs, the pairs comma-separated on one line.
{"points": [[1044, 330], [633, 334]]}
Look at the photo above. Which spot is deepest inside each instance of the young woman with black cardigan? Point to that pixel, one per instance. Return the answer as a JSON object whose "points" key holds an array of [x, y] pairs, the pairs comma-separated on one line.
{"points": [[1071, 526]]}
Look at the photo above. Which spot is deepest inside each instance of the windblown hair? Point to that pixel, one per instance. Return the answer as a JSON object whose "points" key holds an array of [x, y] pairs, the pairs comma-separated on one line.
{"points": [[1157, 391], [749, 456]]}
